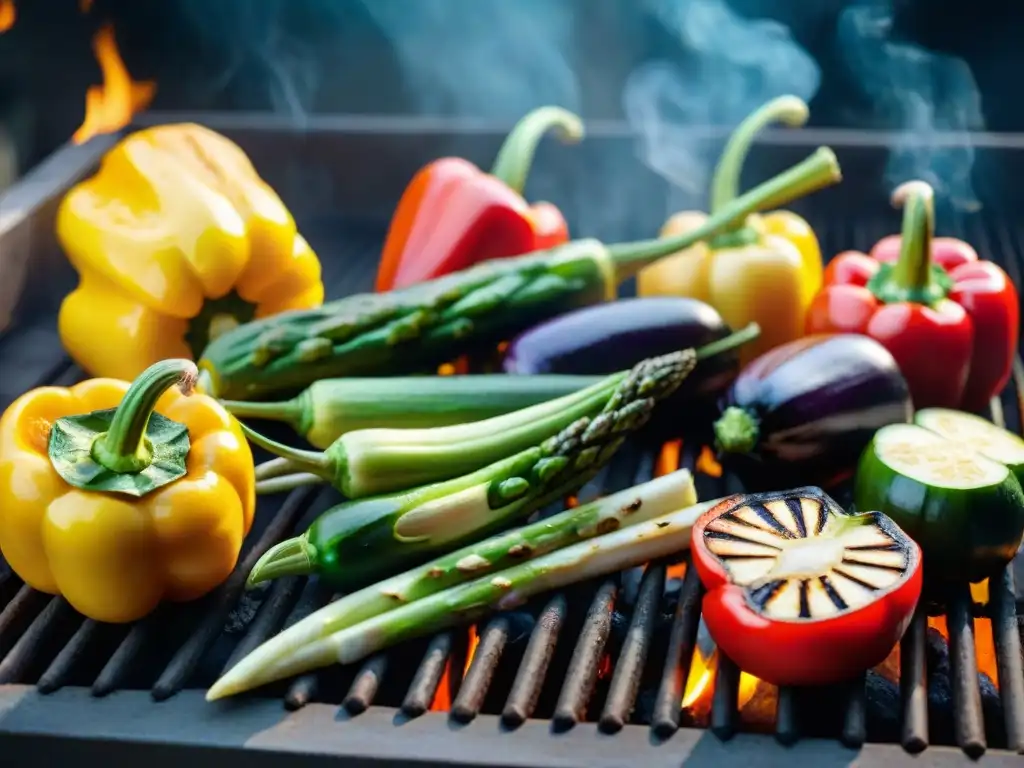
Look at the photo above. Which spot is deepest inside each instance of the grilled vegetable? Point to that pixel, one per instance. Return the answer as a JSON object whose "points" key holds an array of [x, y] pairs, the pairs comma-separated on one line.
{"points": [[432, 322], [497, 591], [978, 434], [806, 409], [328, 409], [966, 511], [453, 215], [798, 591], [119, 496], [630, 507], [375, 461], [175, 239], [951, 321], [611, 337], [763, 269], [359, 541]]}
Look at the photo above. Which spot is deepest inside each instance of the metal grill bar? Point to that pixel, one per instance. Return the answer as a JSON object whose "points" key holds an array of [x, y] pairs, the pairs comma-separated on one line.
{"points": [[30, 622]]}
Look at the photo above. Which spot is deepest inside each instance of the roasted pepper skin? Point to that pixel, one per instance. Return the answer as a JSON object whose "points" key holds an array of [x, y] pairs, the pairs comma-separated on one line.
{"points": [[766, 272], [114, 557], [175, 239], [799, 652], [951, 321], [453, 215]]}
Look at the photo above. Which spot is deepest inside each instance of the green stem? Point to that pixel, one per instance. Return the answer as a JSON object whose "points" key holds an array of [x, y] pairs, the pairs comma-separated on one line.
{"points": [[284, 483], [819, 170], [123, 448], [725, 184], [302, 460], [288, 411], [512, 165], [736, 339], [274, 468], [292, 557], [737, 431], [912, 272]]}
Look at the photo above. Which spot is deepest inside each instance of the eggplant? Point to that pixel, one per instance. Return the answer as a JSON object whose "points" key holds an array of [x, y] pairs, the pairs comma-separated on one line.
{"points": [[617, 335], [804, 411]]}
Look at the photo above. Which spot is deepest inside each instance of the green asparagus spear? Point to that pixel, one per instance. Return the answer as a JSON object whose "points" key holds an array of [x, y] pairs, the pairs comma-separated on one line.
{"points": [[374, 461], [359, 541], [496, 591], [423, 325], [619, 510], [330, 408]]}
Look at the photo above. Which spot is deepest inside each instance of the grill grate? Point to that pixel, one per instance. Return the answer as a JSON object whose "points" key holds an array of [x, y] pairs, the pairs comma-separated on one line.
{"points": [[617, 671]]}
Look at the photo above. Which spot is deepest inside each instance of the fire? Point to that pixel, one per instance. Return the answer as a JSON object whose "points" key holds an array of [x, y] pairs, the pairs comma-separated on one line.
{"points": [[707, 463], [984, 644], [668, 458], [700, 683], [8, 15], [85, 5], [110, 106], [442, 701]]}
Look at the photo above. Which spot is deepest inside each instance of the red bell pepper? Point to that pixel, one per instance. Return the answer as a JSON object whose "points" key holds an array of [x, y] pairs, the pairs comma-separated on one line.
{"points": [[453, 215], [798, 591], [950, 320]]}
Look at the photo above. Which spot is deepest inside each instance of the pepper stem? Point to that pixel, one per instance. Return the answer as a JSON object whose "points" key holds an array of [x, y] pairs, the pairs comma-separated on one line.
{"points": [[790, 110], [818, 171], [912, 272], [301, 460], [736, 339], [737, 431], [123, 447], [289, 411], [292, 557], [512, 165]]}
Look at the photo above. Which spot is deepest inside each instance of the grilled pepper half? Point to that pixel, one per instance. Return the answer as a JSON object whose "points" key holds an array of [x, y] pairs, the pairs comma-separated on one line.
{"points": [[427, 324], [117, 496], [966, 511], [764, 269], [798, 591], [452, 215], [175, 239], [951, 321]]}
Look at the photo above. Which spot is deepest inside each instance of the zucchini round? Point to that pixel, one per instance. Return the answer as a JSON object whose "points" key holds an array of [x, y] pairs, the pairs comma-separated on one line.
{"points": [[978, 434], [965, 510]]}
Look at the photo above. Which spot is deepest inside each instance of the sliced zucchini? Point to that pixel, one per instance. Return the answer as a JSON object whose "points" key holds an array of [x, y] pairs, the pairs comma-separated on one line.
{"points": [[800, 558], [976, 433], [965, 510]]}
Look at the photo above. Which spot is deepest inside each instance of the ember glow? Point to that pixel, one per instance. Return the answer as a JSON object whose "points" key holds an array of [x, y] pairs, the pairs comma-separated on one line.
{"points": [[8, 15], [110, 106]]}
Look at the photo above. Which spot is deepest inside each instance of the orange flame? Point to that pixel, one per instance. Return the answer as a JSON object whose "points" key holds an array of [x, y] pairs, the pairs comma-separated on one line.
{"points": [[85, 5], [707, 463], [8, 15], [442, 701], [110, 106], [700, 683]]}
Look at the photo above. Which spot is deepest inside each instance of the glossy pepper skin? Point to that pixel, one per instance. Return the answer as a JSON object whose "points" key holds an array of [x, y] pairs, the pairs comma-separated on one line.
{"points": [[118, 512], [810, 617], [453, 215], [765, 271], [175, 239], [951, 321]]}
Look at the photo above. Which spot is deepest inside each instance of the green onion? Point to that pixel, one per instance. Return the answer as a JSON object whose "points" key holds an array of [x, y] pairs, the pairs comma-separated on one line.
{"points": [[630, 507]]}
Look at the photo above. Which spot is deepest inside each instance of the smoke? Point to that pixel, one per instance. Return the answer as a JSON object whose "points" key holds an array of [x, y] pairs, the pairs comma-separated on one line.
{"points": [[920, 94], [482, 58], [266, 62], [730, 66]]}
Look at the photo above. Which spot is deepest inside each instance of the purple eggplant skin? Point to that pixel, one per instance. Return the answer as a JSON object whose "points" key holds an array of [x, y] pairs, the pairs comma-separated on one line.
{"points": [[804, 411], [611, 337]]}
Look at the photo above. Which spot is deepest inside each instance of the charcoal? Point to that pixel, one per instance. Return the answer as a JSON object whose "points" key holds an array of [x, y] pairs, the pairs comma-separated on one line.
{"points": [[241, 615], [882, 699], [941, 707]]}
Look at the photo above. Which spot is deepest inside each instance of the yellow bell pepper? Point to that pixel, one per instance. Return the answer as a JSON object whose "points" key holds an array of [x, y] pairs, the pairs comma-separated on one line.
{"points": [[175, 239], [767, 271], [117, 510]]}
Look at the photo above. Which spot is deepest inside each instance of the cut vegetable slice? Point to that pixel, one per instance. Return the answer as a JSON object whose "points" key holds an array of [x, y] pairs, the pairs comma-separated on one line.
{"points": [[799, 591], [976, 433], [966, 511]]}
